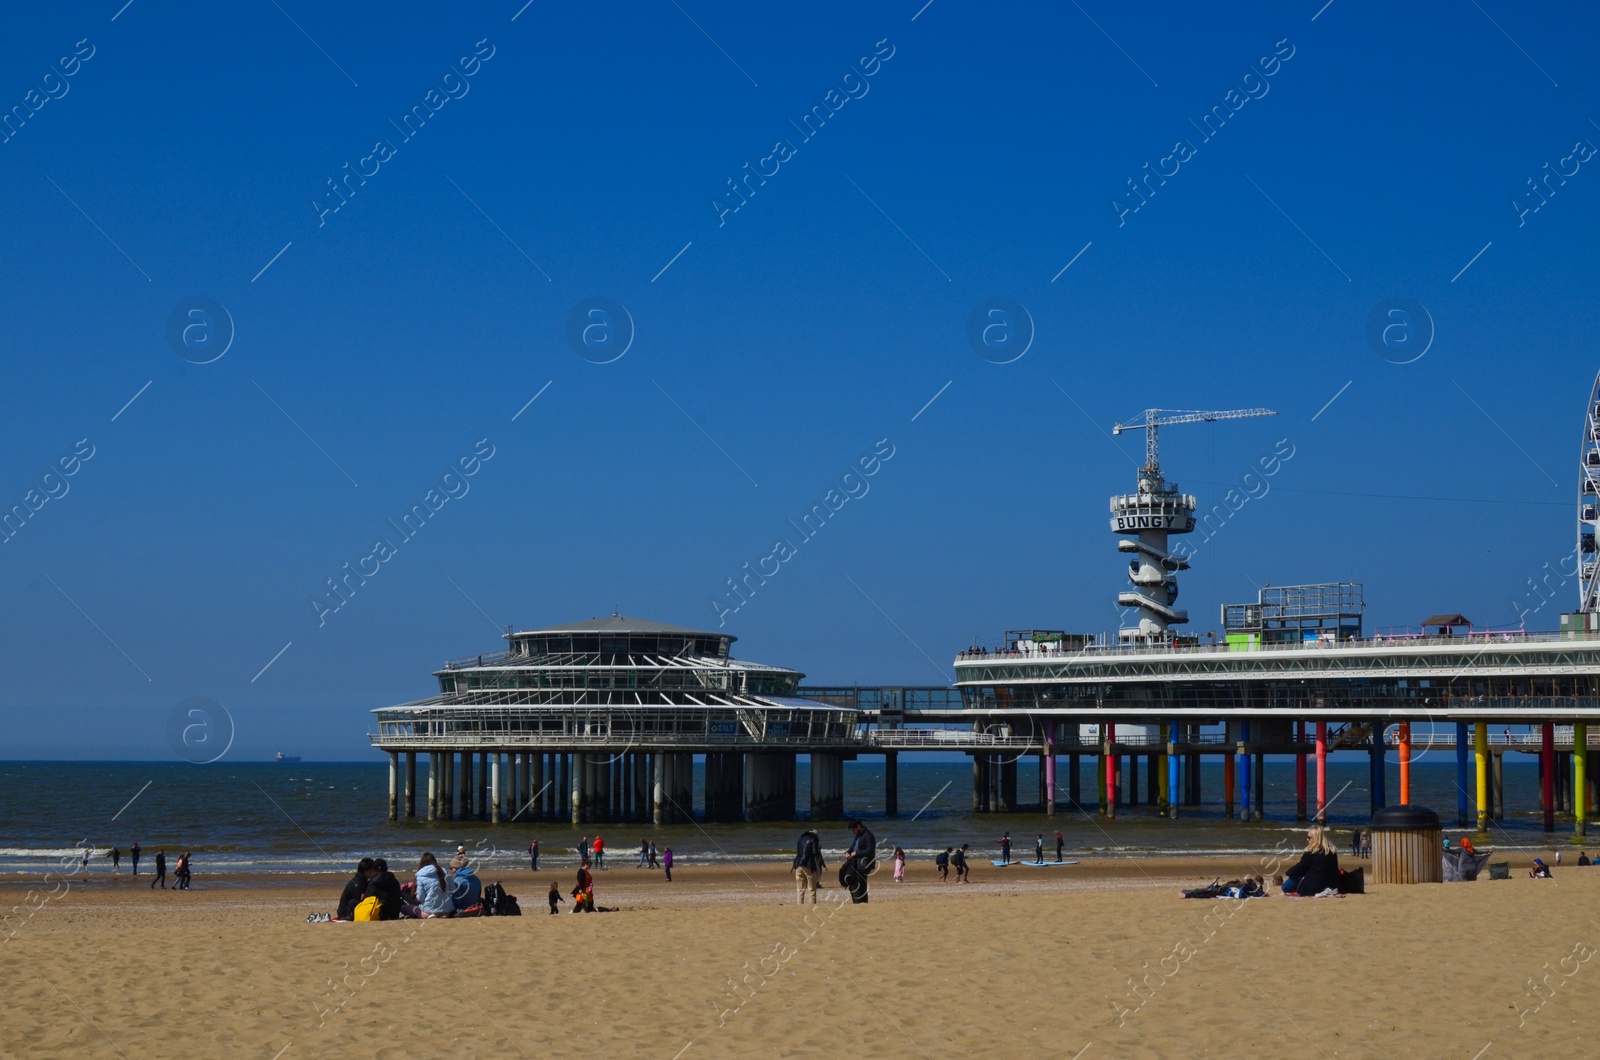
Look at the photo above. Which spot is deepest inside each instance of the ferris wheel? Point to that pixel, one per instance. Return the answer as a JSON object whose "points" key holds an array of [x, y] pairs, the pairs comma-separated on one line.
{"points": [[1589, 504]]}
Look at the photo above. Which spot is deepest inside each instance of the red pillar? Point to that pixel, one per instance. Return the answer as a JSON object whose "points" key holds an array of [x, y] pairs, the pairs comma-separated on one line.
{"points": [[1227, 782], [1547, 759], [1405, 763], [1111, 770], [1300, 773], [1322, 770]]}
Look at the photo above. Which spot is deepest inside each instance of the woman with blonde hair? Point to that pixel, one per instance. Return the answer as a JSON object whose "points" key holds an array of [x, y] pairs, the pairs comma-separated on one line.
{"points": [[1318, 868]]}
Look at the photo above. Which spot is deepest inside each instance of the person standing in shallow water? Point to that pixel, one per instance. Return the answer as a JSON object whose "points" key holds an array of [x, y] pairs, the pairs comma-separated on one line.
{"points": [[1061, 846], [133, 853]]}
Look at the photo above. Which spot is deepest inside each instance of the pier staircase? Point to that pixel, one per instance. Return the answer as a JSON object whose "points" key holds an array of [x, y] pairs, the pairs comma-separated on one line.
{"points": [[1348, 736]]}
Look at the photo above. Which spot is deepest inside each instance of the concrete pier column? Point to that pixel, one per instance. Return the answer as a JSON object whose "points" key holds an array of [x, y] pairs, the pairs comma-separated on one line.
{"points": [[1047, 768], [447, 789], [1227, 784], [1261, 786], [686, 785], [1100, 782], [1074, 782], [464, 786], [576, 787], [1547, 765], [394, 785], [411, 785], [1580, 787], [535, 785], [891, 783], [1461, 774], [483, 784], [1008, 785], [1498, 795], [494, 789], [768, 787], [980, 784], [433, 785], [1130, 782], [827, 787], [658, 791]]}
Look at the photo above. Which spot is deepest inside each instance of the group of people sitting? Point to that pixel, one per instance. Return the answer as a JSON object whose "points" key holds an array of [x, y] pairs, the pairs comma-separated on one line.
{"points": [[374, 893]]}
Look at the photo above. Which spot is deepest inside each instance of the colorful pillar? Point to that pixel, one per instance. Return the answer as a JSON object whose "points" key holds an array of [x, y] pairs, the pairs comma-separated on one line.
{"points": [[1375, 763], [1480, 747], [1405, 763], [1100, 780], [1580, 789], [1111, 770], [1461, 774], [1322, 770], [1547, 773], [1227, 783], [1300, 772], [1244, 764], [1049, 764], [1169, 778]]}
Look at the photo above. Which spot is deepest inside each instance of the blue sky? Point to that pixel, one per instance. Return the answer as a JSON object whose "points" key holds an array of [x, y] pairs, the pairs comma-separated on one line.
{"points": [[773, 347]]}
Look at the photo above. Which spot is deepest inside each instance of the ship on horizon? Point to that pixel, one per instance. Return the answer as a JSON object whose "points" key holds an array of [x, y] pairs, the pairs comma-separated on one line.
{"points": [[281, 757]]}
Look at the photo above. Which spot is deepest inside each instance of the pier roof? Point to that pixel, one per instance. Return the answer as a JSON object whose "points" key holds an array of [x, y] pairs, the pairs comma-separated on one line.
{"points": [[615, 623]]}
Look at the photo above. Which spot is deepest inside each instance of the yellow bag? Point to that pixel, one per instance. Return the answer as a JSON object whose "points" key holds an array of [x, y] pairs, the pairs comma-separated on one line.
{"points": [[368, 909]]}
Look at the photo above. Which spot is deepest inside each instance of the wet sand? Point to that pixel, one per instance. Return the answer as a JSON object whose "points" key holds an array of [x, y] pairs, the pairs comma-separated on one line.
{"points": [[1101, 957]]}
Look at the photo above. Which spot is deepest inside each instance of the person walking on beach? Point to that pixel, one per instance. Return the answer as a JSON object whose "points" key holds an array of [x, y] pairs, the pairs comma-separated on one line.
{"points": [[666, 863], [1038, 850], [959, 860], [1005, 848], [899, 865], [859, 861], [583, 850], [653, 862], [599, 853], [116, 859], [555, 897], [644, 853], [808, 865], [181, 875], [1355, 843], [1061, 846], [133, 852], [533, 855], [86, 861], [161, 871], [941, 862]]}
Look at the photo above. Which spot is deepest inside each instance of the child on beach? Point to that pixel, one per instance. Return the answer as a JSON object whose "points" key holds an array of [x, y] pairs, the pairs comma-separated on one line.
{"points": [[899, 865], [666, 862], [555, 897]]}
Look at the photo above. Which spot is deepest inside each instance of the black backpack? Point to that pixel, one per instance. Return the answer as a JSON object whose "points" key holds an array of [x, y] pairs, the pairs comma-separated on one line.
{"points": [[496, 902]]}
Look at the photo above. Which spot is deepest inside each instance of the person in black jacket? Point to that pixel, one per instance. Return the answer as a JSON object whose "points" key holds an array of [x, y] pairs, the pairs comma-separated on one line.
{"points": [[859, 861], [355, 889], [1318, 868], [808, 865], [382, 885]]}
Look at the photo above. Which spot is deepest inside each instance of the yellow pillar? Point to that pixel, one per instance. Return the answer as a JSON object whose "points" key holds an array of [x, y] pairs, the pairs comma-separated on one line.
{"points": [[1580, 790], [1480, 742], [1166, 795]]}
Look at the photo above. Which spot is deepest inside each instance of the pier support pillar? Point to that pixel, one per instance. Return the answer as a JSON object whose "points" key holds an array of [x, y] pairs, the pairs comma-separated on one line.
{"points": [[1227, 784], [1580, 787], [535, 785], [1376, 768], [1100, 783], [494, 789], [1300, 772], [464, 784], [1547, 764], [658, 791], [891, 783], [769, 786], [1261, 786], [447, 788], [1497, 797], [1244, 771], [1405, 763], [433, 785], [394, 785], [1322, 772], [1109, 757], [1170, 787], [1047, 769], [1480, 750], [1196, 792], [513, 785], [576, 787], [1074, 783], [483, 784], [827, 787], [1008, 785], [1461, 774], [411, 785]]}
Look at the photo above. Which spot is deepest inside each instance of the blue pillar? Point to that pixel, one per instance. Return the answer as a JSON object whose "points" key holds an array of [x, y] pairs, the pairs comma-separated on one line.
{"points": [[1173, 798], [1376, 764], [1244, 773], [1463, 778]]}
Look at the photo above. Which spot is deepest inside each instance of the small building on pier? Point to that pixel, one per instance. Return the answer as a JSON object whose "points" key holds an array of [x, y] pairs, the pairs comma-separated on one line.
{"points": [[601, 721]]}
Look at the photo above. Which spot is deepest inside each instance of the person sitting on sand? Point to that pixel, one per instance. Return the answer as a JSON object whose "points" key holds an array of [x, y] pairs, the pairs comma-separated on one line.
{"points": [[1583, 857], [555, 897], [355, 889], [433, 891], [1318, 868], [383, 886], [1540, 870], [466, 890]]}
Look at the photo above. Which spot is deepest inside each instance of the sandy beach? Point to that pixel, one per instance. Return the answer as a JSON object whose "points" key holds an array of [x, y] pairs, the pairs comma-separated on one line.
{"points": [[1097, 959]]}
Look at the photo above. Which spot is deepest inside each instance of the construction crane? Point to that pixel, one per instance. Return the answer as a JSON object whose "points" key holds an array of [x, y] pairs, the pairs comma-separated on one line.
{"points": [[1154, 418]]}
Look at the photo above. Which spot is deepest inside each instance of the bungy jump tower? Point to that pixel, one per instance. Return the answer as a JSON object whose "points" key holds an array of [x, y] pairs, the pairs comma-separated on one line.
{"points": [[1153, 514], [1589, 508]]}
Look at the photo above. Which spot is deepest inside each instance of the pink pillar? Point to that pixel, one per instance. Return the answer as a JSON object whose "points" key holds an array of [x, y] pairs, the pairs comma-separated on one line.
{"points": [[1322, 768], [1049, 779], [1111, 770]]}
